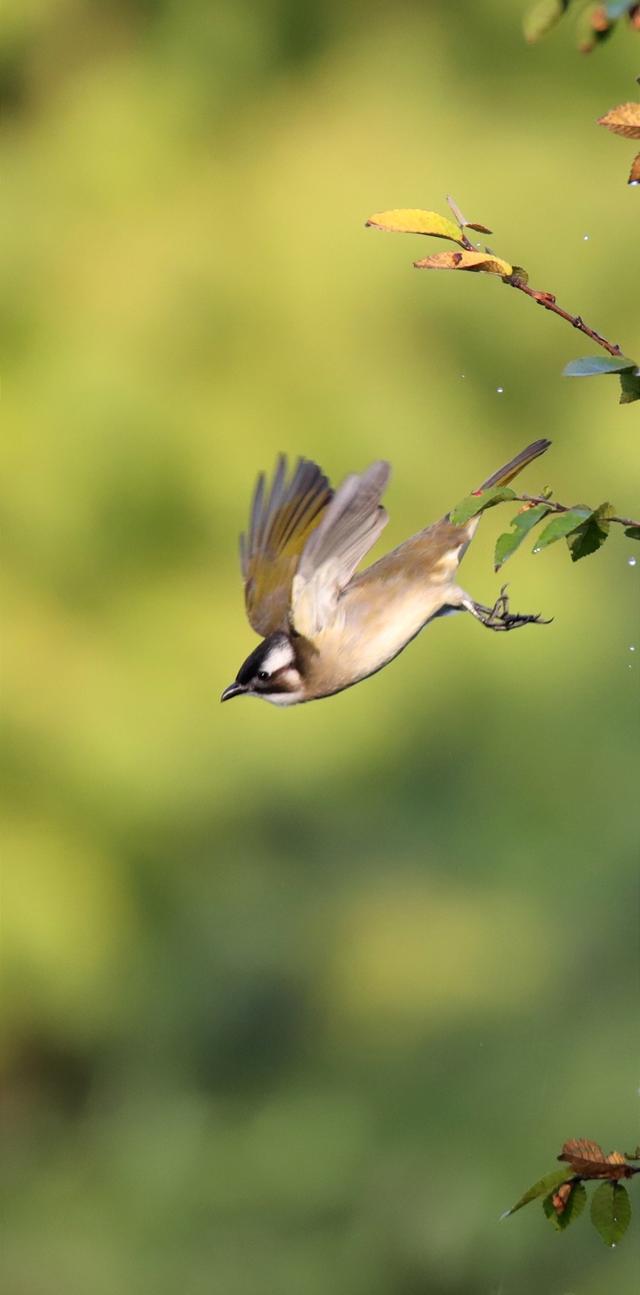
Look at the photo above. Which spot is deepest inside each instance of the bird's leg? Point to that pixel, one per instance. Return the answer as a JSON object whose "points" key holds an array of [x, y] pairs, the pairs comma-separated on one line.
{"points": [[499, 617]]}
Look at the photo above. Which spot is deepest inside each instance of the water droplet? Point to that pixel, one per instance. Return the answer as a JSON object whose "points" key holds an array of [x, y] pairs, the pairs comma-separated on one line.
{"points": [[631, 562], [462, 375], [585, 238], [632, 647], [536, 549], [500, 390]]}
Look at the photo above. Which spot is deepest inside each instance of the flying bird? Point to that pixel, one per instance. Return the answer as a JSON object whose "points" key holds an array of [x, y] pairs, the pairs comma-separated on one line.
{"points": [[323, 627]]}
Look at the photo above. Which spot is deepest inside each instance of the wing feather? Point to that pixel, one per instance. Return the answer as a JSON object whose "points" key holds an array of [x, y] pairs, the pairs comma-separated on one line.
{"points": [[281, 519], [349, 527]]}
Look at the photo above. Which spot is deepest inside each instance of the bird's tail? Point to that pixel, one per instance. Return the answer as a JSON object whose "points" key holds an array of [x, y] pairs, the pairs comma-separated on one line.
{"points": [[511, 469]]}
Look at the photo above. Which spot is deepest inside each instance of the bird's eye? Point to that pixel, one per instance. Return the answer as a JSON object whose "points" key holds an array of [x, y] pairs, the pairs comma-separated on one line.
{"points": [[263, 675]]}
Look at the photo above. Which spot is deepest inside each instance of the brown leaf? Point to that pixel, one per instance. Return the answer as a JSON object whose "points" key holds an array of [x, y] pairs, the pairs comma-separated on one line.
{"points": [[600, 19], [634, 174], [589, 1161], [462, 220], [623, 120], [475, 261], [560, 1198]]}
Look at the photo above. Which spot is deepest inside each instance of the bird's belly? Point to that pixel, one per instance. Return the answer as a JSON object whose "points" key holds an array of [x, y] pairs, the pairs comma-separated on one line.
{"points": [[368, 637], [381, 635]]}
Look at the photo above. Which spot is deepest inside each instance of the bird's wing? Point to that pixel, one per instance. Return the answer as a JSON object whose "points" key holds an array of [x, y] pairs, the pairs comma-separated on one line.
{"points": [[283, 516], [349, 528]]}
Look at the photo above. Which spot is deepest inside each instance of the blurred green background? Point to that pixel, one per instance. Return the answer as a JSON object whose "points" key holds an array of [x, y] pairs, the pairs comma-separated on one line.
{"points": [[298, 1002]]}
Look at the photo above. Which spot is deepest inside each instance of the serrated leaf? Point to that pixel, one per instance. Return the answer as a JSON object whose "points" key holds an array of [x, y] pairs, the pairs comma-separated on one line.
{"points": [[629, 386], [474, 504], [543, 1187], [412, 220], [475, 261], [591, 366], [542, 17], [565, 1205], [633, 533], [610, 1212], [561, 526], [522, 523], [590, 537], [634, 174], [586, 1158], [623, 120]]}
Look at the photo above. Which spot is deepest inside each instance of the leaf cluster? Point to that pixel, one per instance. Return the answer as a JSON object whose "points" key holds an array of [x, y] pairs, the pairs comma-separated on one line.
{"points": [[592, 366], [594, 22], [469, 258], [584, 529], [564, 1195]]}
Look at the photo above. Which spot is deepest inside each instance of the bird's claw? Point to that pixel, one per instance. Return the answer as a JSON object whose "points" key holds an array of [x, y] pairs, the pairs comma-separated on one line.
{"points": [[499, 617]]}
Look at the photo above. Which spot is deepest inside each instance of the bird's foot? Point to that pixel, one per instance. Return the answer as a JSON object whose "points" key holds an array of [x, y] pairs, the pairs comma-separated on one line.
{"points": [[499, 617]]}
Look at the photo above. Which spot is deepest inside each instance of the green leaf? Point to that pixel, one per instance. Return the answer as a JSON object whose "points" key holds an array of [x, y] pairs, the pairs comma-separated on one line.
{"points": [[589, 537], [590, 366], [543, 1187], [589, 36], [629, 386], [542, 17], [633, 533], [633, 1155], [561, 526], [523, 523], [411, 220], [574, 1206], [474, 504], [610, 1212], [518, 272]]}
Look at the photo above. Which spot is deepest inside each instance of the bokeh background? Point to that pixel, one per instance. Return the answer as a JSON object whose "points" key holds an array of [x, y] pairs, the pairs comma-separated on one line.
{"points": [[298, 1002]]}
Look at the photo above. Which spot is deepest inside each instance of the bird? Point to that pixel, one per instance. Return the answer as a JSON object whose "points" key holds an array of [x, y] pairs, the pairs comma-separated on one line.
{"points": [[323, 627]]}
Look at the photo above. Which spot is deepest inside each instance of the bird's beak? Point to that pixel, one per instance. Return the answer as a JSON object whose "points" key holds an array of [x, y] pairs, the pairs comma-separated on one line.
{"points": [[234, 690]]}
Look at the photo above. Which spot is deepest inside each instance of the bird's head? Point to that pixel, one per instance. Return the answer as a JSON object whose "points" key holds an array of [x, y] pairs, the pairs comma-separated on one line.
{"points": [[270, 672]]}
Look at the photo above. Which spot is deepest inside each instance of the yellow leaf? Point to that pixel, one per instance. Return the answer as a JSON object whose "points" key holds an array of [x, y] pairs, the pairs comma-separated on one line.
{"points": [[483, 261], [623, 120], [413, 221], [634, 174]]}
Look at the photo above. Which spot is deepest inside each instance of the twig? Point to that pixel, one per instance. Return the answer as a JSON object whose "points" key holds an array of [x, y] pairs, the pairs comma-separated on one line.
{"points": [[548, 300], [566, 508]]}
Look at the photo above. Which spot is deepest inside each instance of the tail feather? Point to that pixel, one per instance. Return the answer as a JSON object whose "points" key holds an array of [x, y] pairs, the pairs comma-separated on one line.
{"points": [[511, 469]]}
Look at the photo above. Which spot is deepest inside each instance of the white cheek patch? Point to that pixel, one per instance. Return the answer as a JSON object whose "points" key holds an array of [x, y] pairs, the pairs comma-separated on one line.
{"points": [[279, 657]]}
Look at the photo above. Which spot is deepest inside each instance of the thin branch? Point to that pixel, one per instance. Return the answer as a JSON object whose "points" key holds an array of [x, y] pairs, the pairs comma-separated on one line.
{"points": [[566, 508], [548, 300]]}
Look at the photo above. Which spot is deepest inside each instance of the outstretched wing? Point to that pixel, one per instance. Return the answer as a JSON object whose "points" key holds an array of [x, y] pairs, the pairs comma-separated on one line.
{"points": [[282, 518], [349, 528]]}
